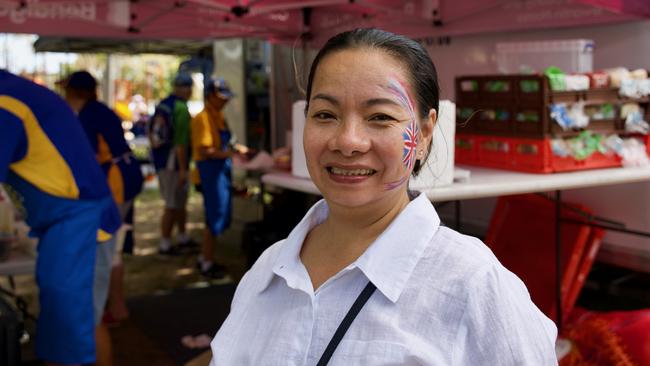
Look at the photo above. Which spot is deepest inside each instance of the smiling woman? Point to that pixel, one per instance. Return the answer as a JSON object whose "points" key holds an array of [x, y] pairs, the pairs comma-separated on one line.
{"points": [[369, 276], [361, 136]]}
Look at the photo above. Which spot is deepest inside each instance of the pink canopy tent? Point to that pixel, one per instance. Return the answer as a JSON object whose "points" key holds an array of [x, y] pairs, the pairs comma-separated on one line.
{"points": [[315, 20]]}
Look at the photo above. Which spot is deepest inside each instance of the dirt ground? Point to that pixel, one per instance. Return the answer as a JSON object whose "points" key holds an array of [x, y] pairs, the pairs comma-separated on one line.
{"points": [[147, 272]]}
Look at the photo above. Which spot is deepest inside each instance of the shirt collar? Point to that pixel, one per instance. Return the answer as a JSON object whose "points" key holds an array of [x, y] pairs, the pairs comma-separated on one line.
{"points": [[387, 263], [390, 260], [287, 263]]}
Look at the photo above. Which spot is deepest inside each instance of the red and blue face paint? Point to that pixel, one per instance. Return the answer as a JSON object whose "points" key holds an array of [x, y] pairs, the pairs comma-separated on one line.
{"points": [[410, 134]]}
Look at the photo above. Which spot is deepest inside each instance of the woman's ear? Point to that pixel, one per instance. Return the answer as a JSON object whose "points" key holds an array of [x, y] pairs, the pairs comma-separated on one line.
{"points": [[427, 125]]}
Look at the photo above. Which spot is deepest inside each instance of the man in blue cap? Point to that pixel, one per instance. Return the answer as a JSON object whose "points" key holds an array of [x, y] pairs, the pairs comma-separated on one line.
{"points": [[169, 136], [104, 131], [212, 150]]}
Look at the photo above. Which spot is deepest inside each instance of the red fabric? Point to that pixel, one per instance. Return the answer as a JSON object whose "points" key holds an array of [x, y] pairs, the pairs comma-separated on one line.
{"points": [[284, 20], [632, 7], [522, 236]]}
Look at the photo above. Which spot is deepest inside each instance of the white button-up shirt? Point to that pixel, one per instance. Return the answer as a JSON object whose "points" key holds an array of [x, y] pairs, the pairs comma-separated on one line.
{"points": [[442, 298]]}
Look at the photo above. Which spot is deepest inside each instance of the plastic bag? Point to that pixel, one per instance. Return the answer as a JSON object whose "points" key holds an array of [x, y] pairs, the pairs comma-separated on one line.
{"points": [[556, 78]]}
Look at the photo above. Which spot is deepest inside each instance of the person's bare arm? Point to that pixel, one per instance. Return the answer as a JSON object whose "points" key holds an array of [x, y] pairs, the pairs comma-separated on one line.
{"points": [[181, 158]]}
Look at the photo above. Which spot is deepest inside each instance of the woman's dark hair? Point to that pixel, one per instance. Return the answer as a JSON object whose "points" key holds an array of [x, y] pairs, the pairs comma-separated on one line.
{"points": [[422, 73]]}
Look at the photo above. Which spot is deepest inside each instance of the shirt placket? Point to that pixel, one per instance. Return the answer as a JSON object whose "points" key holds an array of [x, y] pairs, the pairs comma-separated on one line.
{"points": [[314, 354], [298, 282]]}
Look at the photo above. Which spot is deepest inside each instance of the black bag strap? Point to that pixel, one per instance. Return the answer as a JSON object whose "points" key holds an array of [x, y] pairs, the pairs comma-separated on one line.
{"points": [[346, 322]]}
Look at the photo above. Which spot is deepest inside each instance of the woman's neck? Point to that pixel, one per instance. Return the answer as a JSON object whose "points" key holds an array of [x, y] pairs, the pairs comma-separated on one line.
{"points": [[350, 231], [345, 235], [354, 229]]}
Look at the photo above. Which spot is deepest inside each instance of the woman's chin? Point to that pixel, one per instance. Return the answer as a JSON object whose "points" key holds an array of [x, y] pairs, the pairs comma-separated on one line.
{"points": [[358, 198], [348, 199]]}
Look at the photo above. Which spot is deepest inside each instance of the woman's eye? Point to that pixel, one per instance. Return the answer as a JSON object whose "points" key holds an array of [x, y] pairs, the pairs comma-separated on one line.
{"points": [[382, 118], [323, 116]]}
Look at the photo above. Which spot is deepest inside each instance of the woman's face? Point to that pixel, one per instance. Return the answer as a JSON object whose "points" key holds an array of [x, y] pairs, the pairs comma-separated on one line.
{"points": [[362, 134]]}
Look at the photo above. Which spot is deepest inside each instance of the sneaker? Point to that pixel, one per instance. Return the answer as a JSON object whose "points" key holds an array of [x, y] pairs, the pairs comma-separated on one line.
{"points": [[215, 271]]}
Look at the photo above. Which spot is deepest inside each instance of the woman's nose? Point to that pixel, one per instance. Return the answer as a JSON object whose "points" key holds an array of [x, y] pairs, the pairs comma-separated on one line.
{"points": [[350, 138]]}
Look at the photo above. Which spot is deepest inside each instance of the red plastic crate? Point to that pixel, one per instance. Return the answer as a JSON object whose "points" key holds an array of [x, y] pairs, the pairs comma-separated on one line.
{"points": [[586, 261], [522, 236], [522, 154], [523, 103], [466, 148]]}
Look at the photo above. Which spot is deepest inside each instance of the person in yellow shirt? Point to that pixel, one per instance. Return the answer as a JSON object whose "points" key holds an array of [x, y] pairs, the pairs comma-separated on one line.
{"points": [[212, 151]]}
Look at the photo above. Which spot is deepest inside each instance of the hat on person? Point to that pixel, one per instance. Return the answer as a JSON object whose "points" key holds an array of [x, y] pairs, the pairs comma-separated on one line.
{"points": [[80, 80], [183, 79], [219, 85]]}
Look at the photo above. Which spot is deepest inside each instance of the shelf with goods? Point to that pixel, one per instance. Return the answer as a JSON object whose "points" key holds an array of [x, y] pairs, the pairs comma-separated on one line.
{"points": [[504, 121]]}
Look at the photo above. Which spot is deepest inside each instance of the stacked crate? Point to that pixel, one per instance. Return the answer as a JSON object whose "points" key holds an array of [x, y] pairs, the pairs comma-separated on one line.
{"points": [[503, 121]]}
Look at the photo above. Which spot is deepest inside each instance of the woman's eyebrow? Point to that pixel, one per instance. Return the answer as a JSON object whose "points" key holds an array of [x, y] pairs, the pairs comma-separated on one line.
{"points": [[368, 103], [380, 101], [327, 98]]}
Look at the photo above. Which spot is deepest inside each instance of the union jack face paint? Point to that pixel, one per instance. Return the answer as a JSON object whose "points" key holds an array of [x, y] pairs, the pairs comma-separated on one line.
{"points": [[410, 136]]}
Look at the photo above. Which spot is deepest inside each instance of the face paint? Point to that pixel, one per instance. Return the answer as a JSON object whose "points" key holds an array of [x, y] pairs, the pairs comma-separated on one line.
{"points": [[411, 133], [410, 136], [398, 89], [395, 184]]}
